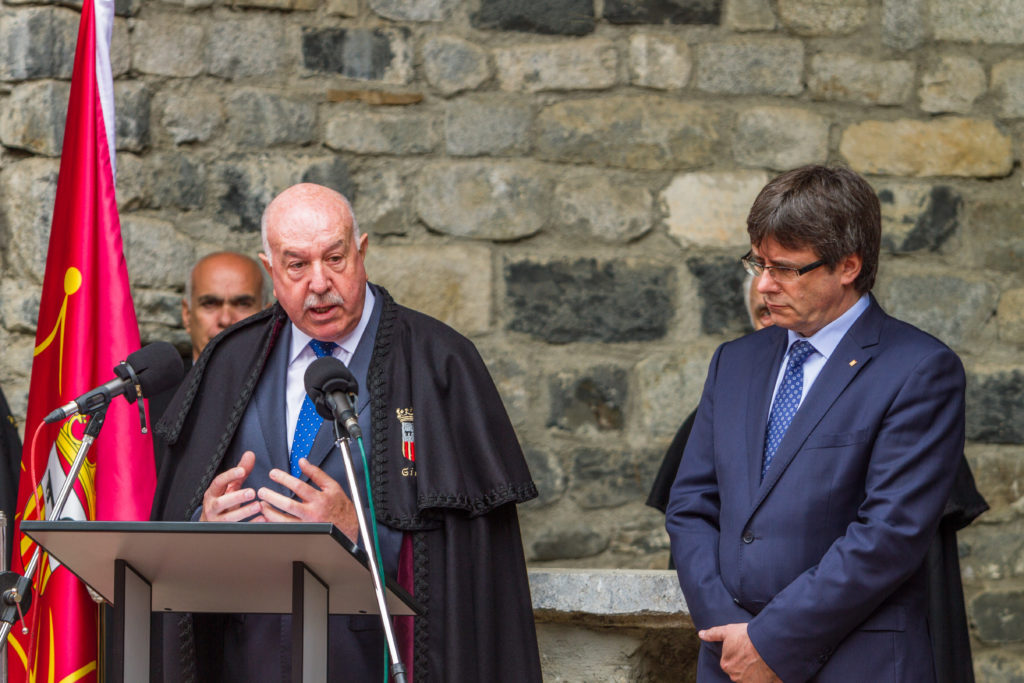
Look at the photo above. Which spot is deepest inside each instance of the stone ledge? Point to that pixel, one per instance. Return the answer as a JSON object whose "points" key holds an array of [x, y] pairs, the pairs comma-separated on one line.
{"points": [[609, 597]]}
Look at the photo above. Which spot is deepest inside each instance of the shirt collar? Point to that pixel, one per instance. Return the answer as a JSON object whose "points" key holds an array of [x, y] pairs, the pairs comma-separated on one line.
{"points": [[827, 338], [348, 343]]}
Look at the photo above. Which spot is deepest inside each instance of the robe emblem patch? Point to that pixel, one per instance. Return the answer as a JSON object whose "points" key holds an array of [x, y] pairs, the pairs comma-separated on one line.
{"points": [[408, 439]]}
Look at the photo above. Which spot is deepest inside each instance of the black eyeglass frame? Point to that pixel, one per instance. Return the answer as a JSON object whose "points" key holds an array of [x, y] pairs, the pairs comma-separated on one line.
{"points": [[757, 269]]}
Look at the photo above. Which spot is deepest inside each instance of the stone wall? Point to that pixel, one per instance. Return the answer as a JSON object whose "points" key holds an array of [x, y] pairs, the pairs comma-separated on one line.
{"points": [[566, 182]]}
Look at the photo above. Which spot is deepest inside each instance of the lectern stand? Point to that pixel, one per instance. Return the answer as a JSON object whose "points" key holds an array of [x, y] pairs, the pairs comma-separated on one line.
{"points": [[307, 570]]}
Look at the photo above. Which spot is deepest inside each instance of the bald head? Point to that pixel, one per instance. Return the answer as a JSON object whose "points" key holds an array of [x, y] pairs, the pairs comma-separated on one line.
{"points": [[221, 289], [306, 199]]}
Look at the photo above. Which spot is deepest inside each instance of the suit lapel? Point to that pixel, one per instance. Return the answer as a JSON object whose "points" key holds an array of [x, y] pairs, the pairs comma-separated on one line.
{"points": [[851, 355], [759, 396], [270, 402]]}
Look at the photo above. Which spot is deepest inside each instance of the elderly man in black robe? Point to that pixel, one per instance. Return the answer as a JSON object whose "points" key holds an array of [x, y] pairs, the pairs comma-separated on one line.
{"points": [[445, 467]]}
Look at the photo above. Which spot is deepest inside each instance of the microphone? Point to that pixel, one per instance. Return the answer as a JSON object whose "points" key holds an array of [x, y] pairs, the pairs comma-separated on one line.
{"points": [[332, 388], [146, 372]]}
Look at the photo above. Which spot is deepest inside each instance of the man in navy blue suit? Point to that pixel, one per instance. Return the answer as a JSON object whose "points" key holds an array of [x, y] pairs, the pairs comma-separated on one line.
{"points": [[822, 453]]}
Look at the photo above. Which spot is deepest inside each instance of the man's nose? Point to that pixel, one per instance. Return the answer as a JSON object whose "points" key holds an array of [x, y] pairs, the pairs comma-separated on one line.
{"points": [[318, 281]]}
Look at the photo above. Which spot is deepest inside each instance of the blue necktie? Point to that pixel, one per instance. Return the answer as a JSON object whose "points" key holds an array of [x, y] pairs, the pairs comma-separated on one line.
{"points": [[787, 400], [309, 420]]}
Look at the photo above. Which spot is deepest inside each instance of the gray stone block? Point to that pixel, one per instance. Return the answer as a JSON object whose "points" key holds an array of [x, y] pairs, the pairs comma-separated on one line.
{"points": [[852, 78], [242, 48], [642, 132], [590, 64], [569, 17], [452, 65], [588, 401], [414, 10], [659, 61], [611, 207], [998, 667], [547, 474], [487, 126], [605, 478], [951, 308], [567, 542], [780, 138], [190, 117], [823, 17], [1010, 316], [607, 592], [161, 180], [750, 15], [163, 46], [29, 189], [154, 251], [451, 283], [720, 286], [260, 119], [663, 11], [998, 616], [384, 206], [37, 42], [1008, 87], [918, 218], [483, 201], [19, 306], [401, 131], [995, 406], [33, 117], [669, 387], [952, 84], [904, 25], [380, 54], [583, 300], [751, 66], [978, 21], [131, 106]]}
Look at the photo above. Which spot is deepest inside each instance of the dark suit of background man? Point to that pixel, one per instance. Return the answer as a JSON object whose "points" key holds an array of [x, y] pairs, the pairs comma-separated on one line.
{"points": [[800, 545], [445, 465]]}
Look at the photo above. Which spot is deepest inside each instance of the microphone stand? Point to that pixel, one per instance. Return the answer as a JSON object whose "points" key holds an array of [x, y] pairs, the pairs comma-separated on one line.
{"points": [[342, 442], [16, 595]]}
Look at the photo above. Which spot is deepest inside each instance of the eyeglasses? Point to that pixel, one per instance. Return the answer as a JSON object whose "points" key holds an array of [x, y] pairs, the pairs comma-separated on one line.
{"points": [[778, 273]]}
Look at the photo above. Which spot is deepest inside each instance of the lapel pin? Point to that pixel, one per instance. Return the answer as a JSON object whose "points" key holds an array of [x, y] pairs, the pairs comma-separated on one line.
{"points": [[852, 363]]}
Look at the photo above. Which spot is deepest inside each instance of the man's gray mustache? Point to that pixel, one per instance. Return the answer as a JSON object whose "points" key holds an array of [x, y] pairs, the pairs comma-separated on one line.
{"points": [[321, 300]]}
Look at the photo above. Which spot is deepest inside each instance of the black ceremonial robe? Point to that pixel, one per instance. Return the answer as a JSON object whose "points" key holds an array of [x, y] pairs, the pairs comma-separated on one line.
{"points": [[10, 467], [455, 501]]}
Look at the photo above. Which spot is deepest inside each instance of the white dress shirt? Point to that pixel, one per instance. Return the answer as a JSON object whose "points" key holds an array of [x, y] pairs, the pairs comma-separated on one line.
{"points": [[824, 342], [300, 356]]}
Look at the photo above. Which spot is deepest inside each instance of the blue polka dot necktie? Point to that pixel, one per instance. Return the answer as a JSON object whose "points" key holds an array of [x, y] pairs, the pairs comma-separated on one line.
{"points": [[787, 400], [309, 420]]}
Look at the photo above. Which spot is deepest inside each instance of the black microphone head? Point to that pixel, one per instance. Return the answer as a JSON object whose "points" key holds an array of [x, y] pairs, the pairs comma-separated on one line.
{"points": [[325, 375], [158, 367]]}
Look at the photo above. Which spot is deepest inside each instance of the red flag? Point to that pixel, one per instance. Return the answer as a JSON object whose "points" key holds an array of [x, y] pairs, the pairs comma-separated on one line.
{"points": [[86, 326]]}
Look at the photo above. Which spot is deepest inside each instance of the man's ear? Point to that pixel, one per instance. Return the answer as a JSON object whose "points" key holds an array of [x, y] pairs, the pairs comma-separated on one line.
{"points": [[364, 243], [850, 268], [185, 316]]}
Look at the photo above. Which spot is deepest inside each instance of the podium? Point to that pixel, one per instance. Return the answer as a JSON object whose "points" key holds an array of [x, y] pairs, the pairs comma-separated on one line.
{"points": [[308, 570]]}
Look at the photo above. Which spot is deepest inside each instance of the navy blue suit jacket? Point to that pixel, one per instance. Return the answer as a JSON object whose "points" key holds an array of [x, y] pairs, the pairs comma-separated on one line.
{"points": [[824, 557]]}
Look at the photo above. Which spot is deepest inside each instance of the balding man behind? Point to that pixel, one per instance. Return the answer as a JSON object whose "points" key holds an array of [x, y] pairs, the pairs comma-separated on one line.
{"points": [[221, 289]]}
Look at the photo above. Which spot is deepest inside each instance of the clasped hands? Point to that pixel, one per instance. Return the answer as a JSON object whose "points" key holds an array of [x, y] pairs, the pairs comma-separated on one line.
{"points": [[226, 500], [740, 659]]}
